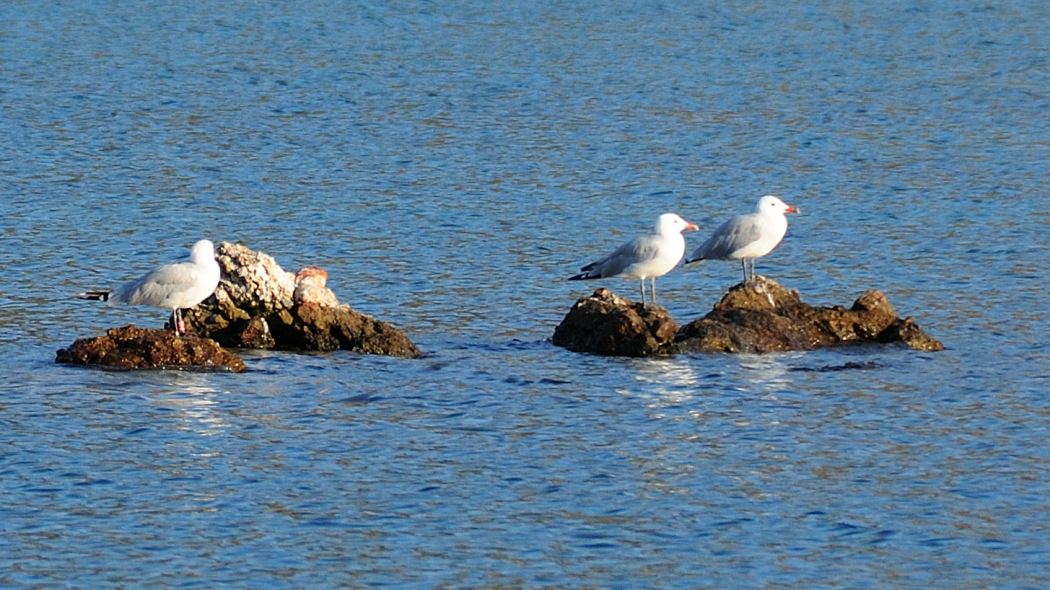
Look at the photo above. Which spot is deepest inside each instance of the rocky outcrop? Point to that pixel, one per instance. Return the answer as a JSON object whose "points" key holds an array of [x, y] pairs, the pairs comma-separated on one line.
{"points": [[139, 348], [260, 305], [759, 316], [763, 316], [610, 325]]}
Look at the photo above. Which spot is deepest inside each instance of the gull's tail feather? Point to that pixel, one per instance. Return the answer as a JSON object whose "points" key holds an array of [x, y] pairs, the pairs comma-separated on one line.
{"points": [[588, 273], [94, 295]]}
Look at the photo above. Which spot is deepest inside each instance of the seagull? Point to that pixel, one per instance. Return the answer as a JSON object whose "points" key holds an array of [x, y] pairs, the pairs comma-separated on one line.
{"points": [[173, 286], [645, 257], [747, 237]]}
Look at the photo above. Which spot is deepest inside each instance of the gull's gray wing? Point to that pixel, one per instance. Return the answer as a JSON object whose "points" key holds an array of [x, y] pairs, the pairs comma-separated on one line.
{"points": [[158, 287], [637, 250], [728, 238]]}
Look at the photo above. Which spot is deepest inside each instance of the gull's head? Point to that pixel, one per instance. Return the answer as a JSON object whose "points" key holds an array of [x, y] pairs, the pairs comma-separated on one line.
{"points": [[772, 204], [671, 223], [202, 251]]}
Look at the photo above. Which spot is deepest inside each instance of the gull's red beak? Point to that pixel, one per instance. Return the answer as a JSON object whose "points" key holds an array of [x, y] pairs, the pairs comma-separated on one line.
{"points": [[792, 209], [691, 226]]}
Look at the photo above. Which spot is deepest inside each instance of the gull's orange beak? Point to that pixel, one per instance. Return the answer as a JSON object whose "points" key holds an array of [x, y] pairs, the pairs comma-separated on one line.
{"points": [[792, 209], [691, 226]]}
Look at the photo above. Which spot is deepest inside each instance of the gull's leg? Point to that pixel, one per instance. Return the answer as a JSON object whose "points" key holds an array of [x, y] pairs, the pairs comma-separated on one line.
{"points": [[643, 291], [652, 292]]}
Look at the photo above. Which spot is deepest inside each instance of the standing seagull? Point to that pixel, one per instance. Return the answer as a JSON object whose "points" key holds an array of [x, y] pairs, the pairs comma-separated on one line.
{"points": [[645, 257], [747, 237], [172, 286]]}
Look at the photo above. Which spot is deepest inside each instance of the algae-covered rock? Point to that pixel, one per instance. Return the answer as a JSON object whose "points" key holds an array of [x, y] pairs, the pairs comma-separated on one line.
{"points": [[140, 348], [757, 316], [608, 324], [763, 316]]}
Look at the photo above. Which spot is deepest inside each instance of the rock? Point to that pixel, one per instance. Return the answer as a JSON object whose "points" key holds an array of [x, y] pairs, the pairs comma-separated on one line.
{"points": [[908, 332], [850, 366], [310, 287], [139, 348], [610, 325], [312, 326], [763, 316], [760, 316], [260, 305]]}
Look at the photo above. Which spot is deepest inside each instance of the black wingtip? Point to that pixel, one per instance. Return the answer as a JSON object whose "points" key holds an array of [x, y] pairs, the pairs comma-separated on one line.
{"points": [[94, 295]]}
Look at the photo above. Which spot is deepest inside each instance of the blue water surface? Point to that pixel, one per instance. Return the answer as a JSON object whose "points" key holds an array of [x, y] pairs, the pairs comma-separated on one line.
{"points": [[450, 164]]}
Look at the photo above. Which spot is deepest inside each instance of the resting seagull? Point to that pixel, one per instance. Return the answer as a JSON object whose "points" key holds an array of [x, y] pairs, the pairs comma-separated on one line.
{"points": [[173, 286], [645, 257], [747, 237]]}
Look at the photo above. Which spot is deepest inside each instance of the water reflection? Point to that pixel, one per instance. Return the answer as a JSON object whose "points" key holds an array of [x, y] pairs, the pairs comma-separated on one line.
{"points": [[768, 374], [674, 381], [195, 403], [664, 382]]}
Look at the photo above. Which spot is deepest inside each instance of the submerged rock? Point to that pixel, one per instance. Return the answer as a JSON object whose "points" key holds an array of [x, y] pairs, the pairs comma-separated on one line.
{"points": [[140, 348], [608, 324], [850, 366], [759, 316], [260, 305]]}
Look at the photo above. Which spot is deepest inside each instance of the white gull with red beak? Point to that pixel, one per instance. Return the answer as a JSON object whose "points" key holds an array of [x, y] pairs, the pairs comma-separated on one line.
{"points": [[645, 257], [747, 237]]}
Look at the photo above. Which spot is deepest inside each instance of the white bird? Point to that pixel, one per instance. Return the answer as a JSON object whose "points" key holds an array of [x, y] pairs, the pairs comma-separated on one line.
{"points": [[747, 237], [645, 257], [173, 286]]}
